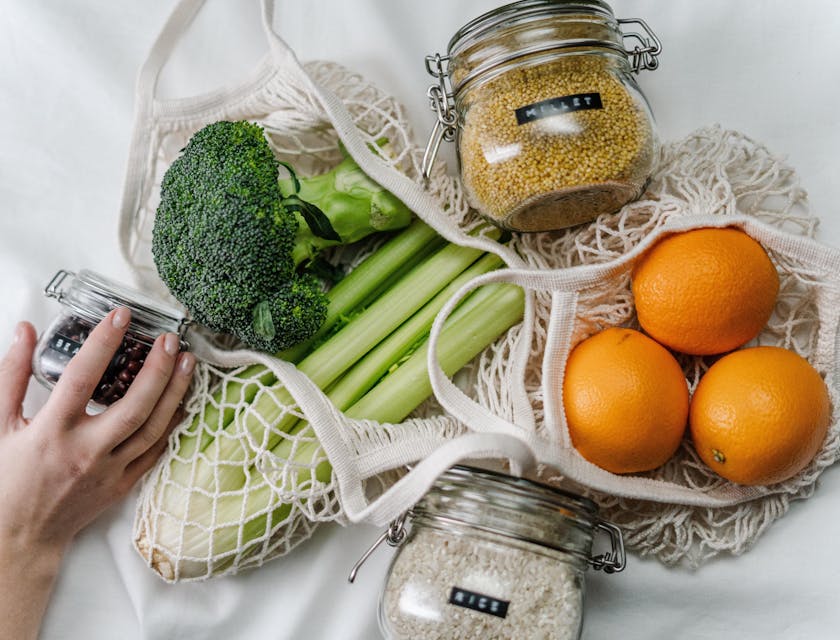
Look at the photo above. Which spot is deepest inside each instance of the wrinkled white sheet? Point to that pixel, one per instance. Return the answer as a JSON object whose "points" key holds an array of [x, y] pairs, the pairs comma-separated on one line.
{"points": [[67, 69]]}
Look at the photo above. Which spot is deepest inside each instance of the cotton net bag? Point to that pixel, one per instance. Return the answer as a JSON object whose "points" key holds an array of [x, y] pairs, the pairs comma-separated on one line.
{"points": [[193, 523]]}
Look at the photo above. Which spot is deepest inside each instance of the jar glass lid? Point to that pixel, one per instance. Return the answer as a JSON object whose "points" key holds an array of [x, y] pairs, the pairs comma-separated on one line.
{"points": [[527, 29], [499, 487], [519, 12], [516, 508], [92, 295]]}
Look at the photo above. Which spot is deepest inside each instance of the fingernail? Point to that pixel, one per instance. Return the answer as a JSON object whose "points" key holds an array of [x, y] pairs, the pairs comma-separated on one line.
{"points": [[187, 363], [171, 344], [18, 335], [121, 318]]}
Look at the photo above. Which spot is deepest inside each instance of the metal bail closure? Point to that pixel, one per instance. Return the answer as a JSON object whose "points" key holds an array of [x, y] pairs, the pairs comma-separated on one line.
{"points": [[394, 535], [616, 559], [440, 101], [647, 47], [53, 289]]}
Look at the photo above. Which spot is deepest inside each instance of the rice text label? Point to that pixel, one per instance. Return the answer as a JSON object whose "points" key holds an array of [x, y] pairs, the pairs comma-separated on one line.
{"points": [[478, 602]]}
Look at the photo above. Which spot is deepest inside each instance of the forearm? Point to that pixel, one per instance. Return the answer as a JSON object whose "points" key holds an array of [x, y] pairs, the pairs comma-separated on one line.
{"points": [[63, 467], [27, 577]]}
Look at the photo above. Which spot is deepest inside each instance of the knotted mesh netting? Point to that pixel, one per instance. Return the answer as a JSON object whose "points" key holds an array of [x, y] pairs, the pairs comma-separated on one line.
{"points": [[245, 478]]}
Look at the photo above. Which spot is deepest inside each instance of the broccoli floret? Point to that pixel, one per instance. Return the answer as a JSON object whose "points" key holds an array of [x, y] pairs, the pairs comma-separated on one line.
{"points": [[231, 240]]}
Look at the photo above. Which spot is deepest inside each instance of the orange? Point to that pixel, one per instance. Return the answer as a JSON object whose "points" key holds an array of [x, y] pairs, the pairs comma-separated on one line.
{"points": [[759, 415], [705, 291], [626, 401]]}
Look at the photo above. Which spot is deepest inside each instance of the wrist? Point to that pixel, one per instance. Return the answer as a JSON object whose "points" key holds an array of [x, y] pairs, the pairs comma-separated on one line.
{"points": [[39, 561], [28, 573]]}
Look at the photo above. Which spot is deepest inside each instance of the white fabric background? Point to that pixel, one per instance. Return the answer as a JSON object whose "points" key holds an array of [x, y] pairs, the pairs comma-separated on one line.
{"points": [[67, 69]]}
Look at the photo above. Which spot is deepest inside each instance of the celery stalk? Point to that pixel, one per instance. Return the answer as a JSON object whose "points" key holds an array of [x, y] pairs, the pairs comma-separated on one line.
{"points": [[390, 352]]}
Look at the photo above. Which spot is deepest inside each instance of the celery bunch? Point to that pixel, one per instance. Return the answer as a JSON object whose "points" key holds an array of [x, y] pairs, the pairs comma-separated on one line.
{"points": [[369, 357]]}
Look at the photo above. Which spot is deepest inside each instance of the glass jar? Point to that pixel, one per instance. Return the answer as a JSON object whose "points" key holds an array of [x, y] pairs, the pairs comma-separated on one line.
{"points": [[86, 298], [492, 556], [552, 129]]}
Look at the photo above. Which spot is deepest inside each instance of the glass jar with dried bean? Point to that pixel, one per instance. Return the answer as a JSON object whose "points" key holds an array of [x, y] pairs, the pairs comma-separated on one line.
{"points": [[86, 298], [552, 129]]}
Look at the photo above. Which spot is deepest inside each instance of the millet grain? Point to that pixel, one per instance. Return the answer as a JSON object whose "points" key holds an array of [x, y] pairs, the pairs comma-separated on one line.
{"points": [[597, 159]]}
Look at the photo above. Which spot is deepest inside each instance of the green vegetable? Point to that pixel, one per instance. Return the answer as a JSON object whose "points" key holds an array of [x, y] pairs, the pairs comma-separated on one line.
{"points": [[330, 360], [362, 285], [370, 359], [233, 241]]}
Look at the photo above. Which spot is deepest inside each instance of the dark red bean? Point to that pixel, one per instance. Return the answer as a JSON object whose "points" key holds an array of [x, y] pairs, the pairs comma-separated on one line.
{"points": [[122, 370]]}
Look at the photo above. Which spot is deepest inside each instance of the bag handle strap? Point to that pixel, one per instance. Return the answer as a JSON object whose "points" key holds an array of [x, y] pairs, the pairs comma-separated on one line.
{"points": [[412, 486], [511, 446], [413, 194], [563, 285], [327, 424], [176, 25], [145, 90], [173, 31]]}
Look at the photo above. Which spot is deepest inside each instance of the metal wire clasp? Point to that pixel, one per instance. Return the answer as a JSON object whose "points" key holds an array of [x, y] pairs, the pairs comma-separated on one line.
{"points": [[616, 559], [645, 53], [442, 103], [394, 535], [53, 289]]}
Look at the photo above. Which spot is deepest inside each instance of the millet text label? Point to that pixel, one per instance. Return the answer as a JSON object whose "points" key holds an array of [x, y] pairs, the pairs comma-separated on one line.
{"points": [[558, 106]]}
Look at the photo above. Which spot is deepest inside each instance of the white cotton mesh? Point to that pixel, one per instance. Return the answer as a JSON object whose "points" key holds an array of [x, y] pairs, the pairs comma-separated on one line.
{"points": [[719, 172], [238, 501]]}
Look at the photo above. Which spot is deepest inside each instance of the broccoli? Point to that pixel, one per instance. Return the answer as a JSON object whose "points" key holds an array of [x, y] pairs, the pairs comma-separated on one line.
{"points": [[233, 241]]}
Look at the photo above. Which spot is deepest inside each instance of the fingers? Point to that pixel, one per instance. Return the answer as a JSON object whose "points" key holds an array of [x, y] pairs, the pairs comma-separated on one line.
{"points": [[136, 443], [81, 375], [141, 464], [129, 413], [15, 369]]}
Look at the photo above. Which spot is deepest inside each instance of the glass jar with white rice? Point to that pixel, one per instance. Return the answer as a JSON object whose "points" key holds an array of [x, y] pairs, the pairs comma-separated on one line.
{"points": [[493, 556]]}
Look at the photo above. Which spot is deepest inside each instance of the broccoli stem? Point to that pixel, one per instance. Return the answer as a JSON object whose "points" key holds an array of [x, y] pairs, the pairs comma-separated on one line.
{"points": [[354, 204]]}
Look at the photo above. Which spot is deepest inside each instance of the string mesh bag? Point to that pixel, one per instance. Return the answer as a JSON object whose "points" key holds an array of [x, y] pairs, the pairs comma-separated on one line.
{"points": [[196, 516], [246, 477], [692, 514], [262, 455]]}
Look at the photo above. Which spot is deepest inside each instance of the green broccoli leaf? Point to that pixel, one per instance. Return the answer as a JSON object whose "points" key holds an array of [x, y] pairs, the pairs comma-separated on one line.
{"points": [[316, 220], [263, 322]]}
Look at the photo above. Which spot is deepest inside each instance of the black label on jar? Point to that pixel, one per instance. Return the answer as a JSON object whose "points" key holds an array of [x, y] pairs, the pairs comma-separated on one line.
{"points": [[558, 106], [64, 345], [478, 602]]}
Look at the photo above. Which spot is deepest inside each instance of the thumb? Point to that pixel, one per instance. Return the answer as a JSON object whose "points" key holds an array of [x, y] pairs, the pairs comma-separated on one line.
{"points": [[15, 369]]}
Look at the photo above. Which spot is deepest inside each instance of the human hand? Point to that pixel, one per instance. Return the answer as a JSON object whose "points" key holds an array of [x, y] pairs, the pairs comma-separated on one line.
{"points": [[63, 467]]}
